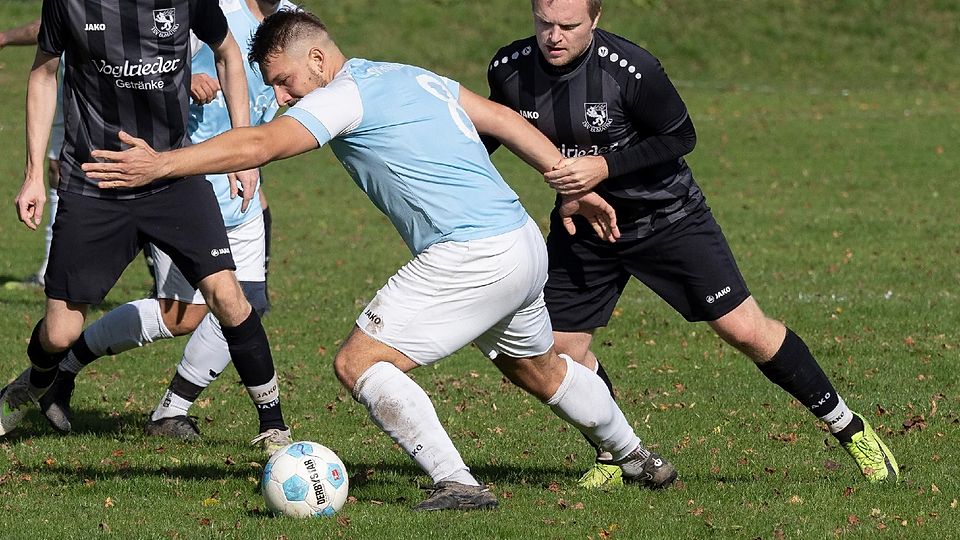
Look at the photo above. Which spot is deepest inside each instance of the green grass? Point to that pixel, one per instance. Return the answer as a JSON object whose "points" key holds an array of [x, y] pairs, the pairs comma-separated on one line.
{"points": [[828, 151]]}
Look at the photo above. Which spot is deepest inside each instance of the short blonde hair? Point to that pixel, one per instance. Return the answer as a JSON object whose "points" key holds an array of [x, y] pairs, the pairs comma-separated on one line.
{"points": [[593, 6]]}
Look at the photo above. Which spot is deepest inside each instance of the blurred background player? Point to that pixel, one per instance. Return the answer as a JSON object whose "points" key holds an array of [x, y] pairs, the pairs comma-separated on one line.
{"points": [[609, 107], [181, 306]]}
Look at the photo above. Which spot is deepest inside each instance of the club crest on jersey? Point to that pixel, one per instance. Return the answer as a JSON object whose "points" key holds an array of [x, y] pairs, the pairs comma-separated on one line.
{"points": [[595, 116], [165, 22]]}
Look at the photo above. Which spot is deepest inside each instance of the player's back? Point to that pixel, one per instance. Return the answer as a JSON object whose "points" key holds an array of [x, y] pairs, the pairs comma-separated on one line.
{"points": [[416, 153]]}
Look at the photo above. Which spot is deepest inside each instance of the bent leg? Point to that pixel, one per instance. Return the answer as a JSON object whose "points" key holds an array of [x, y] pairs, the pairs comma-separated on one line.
{"points": [[376, 376]]}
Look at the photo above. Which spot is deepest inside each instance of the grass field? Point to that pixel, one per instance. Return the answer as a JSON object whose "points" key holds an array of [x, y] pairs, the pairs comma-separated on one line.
{"points": [[828, 150]]}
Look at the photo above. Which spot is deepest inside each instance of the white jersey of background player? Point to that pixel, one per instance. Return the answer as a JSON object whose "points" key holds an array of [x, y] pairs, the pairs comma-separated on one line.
{"points": [[140, 322]]}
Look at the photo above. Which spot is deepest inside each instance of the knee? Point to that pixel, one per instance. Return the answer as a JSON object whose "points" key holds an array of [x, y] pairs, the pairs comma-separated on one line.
{"points": [[225, 298], [58, 338], [346, 370]]}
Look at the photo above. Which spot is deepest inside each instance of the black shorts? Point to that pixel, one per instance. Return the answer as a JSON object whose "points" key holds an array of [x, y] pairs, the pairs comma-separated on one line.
{"points": [[95, 239], [688, 263]]}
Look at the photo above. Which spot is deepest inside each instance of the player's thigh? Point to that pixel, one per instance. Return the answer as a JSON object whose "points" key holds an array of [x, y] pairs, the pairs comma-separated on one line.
{"points": [[184, 221], [586, 279], [93, 242], [450, 294], [525, 331], [690, 265]]}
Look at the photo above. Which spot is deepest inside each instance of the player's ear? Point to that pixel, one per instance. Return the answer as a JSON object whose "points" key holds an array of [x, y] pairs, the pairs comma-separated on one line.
{"points": [[316, 56], [596, 20]]}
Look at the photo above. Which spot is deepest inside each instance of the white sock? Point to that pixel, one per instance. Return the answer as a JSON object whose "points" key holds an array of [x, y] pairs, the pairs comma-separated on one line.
{"points": [[206, 354], [400, 408], [839, 417], [171, 405], [584, 401], [126, 327], [53, 200]]}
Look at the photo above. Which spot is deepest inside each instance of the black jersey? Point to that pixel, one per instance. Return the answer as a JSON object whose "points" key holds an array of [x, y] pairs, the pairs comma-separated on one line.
{"points": [[127, 67], [615, 101]]}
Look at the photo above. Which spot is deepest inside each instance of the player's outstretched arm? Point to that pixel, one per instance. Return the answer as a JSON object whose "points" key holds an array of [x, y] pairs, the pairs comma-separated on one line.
{"points": [[237, 149], [511, 130], [41, 104]]}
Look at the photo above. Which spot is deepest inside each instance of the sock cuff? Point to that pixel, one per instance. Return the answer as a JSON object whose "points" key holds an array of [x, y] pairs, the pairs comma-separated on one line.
{"points": [[373, 378], [783, 362], [243, 330], [567, 381]]}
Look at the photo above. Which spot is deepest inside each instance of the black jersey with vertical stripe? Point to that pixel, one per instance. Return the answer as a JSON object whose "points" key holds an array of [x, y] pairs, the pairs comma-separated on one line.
{"points": [[614, 101], [127, 67]]}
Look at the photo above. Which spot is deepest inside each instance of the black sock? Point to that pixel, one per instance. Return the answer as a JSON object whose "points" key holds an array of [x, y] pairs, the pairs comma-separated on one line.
{"points": [[42, 364], [795, 370], [606, 379], [250, 352], [184, 388], [846, 434]]}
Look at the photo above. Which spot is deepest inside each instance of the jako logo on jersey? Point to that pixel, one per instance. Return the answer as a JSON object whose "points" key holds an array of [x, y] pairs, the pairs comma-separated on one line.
{"points": [[714, 297], [218, 252], [593, 150], [95, 27], [530, 115], [595, 116], [165, 22]]}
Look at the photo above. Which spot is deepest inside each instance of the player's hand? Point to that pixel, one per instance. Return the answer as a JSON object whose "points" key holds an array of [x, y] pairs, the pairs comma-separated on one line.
{"points": [[597, 211], [203, 88], [577, 175], [244, 183], [136, 166], [30, 202]]}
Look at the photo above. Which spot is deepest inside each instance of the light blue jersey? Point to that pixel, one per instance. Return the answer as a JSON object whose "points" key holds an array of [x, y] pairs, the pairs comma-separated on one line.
{"points": [[400, 132], [212, 119]]}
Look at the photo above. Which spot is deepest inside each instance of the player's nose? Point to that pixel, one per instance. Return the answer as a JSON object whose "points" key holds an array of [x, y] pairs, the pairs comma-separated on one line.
{"points": [[283, 97]]}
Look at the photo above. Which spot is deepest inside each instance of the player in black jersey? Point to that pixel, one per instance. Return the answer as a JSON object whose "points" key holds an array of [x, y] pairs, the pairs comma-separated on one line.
{"points": [[127, 67], [611, 110]]}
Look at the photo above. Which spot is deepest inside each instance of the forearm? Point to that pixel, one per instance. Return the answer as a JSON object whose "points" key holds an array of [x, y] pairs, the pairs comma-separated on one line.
{"points": [[654, 150], [22, 35], [233, 83], [41, 105], [526, 141], [236, 150]]}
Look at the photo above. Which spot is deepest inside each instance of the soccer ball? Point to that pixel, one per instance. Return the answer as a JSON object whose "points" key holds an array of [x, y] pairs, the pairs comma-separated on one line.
{"points": [[304, 479]]}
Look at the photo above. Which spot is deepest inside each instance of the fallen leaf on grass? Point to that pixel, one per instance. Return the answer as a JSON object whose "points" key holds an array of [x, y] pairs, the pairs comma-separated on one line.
{"points": [[853, 520], [108, 503]]}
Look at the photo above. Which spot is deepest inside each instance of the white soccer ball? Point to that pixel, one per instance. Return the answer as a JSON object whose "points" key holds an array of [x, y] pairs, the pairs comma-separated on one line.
{"points": [[304, 479]]}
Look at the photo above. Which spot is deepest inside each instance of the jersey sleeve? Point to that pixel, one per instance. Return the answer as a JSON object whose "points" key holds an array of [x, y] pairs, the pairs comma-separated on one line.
{"points": [[495, 83], [208, 22], [331, 111], [51, 35], [655, 106]]}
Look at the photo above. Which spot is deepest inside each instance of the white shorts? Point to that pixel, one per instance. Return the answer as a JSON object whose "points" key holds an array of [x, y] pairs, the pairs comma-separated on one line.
{"points": [[487, 291], [247, 247]]}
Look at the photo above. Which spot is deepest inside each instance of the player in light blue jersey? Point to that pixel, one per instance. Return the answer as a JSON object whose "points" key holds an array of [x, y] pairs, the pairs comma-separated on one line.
{"points": [[178, 308], [409, 138]]}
